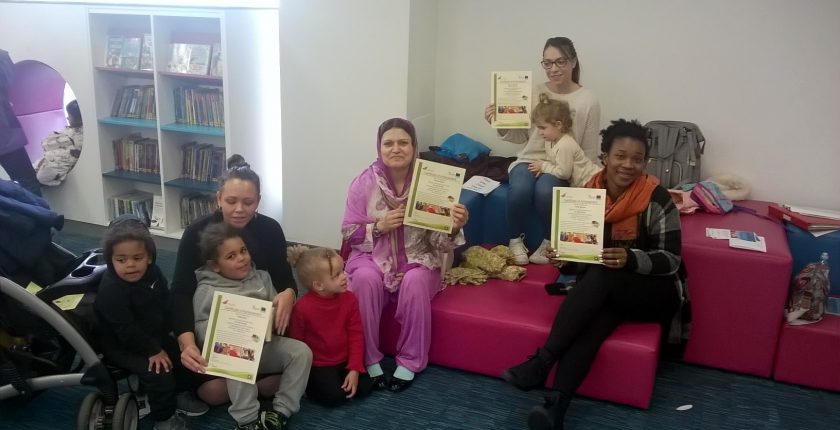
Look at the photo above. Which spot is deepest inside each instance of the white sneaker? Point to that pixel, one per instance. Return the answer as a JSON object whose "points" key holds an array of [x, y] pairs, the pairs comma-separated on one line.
{"points": [[538, 257], [519, 251]]}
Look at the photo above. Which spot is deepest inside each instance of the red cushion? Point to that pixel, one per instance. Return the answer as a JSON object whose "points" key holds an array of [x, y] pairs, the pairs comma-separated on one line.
{"points": [[810, 354], [737, 295], [488, 328]]}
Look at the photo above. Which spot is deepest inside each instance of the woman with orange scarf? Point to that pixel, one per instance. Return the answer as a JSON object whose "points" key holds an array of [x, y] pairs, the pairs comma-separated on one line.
{"points": [[637, 281]]}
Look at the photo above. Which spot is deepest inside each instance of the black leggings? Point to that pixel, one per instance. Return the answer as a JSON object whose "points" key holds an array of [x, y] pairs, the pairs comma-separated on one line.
{"points": [[602, 299], [161, 387], [325, 382]]}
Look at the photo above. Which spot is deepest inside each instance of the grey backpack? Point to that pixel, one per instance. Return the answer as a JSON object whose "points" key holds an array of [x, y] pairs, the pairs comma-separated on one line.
{"points": [[675, 151]]}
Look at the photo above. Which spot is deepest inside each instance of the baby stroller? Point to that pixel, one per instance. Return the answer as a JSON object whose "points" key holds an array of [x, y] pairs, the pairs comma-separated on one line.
{"points": [[39, 342]]}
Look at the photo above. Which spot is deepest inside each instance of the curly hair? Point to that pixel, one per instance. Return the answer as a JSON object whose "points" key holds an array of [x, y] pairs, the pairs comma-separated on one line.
{"points": [[621, 128], [126, 228], [552, 111]]}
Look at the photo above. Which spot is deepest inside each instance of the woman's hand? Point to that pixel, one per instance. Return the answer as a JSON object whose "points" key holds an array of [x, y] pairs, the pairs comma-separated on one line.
{"points": [[535, 167], [392, 220], [551, 253], [283, 303], [489, 113], [460, 216], [351, 382], [614, 258], [160, 361], [191, 356]]}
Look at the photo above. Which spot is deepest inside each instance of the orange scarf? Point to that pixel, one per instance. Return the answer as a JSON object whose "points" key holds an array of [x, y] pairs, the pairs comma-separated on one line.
{"points": [[622, 213]]}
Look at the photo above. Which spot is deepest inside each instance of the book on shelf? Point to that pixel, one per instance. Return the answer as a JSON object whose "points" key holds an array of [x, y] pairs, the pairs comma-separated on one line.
{"points": [[137, 154], [136, 202], [202, 162], [146, 62], [806, 222], [158, 220], [216, 60], [199, 105], [113, 50], [130, 56], [135, 101], [196, 205], [189, 58]]}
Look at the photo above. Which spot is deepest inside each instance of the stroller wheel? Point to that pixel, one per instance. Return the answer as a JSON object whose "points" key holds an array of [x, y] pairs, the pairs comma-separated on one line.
{"points": [[91, 413], [125, 413]]}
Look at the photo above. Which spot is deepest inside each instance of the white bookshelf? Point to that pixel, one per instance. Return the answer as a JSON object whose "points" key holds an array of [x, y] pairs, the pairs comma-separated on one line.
{"points": [[245, 76]]}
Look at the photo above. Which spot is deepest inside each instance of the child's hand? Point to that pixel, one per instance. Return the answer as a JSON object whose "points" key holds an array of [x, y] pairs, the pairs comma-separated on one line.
{"points": [[551, 253], [283, 302], [350, 383], [460, 215], [535, 167], [160, 361]]}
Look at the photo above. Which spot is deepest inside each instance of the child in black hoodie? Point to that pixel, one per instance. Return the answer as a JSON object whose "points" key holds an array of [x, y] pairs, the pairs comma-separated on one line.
{"points": [[133, 324]]}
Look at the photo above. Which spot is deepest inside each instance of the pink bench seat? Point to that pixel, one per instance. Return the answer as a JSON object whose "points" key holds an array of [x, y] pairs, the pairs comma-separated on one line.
{"points": [[810, 354], [488, 328], [737, 296]]}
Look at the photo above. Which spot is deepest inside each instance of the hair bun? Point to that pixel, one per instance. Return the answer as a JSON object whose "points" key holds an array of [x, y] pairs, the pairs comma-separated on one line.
{"points": [[236, 160]]}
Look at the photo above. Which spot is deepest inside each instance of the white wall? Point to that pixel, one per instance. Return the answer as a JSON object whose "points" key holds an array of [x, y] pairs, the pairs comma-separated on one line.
{"points": [[422, 65], [27, 31], [760, 77], [343, 70]]}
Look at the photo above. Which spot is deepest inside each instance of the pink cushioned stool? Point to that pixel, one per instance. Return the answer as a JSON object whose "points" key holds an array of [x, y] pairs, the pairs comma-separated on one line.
{"points": [[737, 296], [488, 328], [810, 354]]}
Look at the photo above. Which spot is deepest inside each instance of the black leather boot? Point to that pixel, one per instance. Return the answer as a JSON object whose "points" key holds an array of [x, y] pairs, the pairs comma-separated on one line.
{"points": [[550, 415], [532, 373]]}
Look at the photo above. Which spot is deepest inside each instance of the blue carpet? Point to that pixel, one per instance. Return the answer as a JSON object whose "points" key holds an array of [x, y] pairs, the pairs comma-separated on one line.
{"points": [[445, 399]]}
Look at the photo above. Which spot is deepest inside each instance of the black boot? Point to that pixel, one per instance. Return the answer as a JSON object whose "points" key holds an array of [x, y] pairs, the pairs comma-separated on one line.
{"points": [[532, 373], [549, 416]]}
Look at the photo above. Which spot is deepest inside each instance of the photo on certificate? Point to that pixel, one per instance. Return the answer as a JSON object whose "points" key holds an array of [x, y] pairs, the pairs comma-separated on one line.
{"points": [[510, 92], [577, 223], [235, 336], [435, 189]]}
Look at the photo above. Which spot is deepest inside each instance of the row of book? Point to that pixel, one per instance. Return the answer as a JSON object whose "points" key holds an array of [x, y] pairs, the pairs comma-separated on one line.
{"points": [[137, 203], [134, 52], [196, 59], [135, 101], [202, 162], [129, 51], [817, 221], [196, 205], [137, 154], [199, 106]]}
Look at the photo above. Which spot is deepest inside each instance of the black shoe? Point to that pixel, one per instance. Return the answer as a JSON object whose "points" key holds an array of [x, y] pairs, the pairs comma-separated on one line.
{"points": [[550, 415], [532, 373], [396, 385], [380, 382]]}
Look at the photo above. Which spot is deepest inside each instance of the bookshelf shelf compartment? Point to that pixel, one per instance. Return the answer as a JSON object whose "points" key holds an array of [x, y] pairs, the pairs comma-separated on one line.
{"points": [[129, 122], [148, 178], [148, 74], [193, 185], [194, 129], [195, 78]]}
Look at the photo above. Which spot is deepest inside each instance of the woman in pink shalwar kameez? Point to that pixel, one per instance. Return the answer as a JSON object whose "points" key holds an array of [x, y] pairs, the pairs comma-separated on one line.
{"points": [[392, 262]]}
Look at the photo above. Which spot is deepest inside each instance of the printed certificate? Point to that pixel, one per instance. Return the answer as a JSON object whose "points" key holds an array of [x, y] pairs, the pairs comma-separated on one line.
{"points": [[235, 336], [435, 189], [510, 92], [577, 223]]}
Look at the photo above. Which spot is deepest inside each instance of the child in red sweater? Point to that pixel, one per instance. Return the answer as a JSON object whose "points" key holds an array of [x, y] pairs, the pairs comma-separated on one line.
{"points": [[327, 319]]}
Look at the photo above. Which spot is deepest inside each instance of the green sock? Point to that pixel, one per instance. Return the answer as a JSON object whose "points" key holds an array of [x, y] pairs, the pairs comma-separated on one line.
{"points": [[403, 373], [374, 370]]}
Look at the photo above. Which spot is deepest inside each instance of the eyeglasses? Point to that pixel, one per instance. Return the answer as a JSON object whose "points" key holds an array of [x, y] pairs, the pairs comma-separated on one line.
{"points": [[560, 62]]}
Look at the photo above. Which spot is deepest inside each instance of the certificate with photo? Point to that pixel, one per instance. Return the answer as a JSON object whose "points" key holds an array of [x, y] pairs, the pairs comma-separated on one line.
{"points": [[235, 336], [510, 92], [435, 189], [577, 223]]}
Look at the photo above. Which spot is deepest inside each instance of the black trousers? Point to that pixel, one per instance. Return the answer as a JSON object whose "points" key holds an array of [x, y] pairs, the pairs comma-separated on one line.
{"points": [[325, 382], [603, 299], [19, 168], [160, 387]]}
